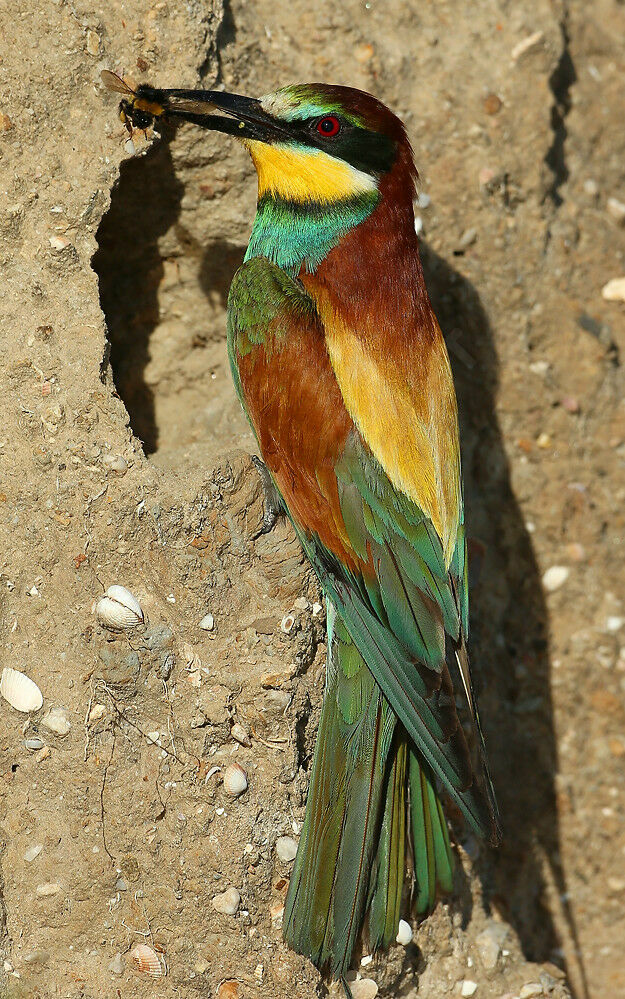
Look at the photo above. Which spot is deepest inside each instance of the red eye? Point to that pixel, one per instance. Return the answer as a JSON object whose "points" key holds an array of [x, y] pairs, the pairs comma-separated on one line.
{"points": [[328, 127]]}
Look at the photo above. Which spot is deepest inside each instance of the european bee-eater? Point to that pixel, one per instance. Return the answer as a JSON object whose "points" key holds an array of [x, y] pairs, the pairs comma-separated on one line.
{"points": [[341, 368]]}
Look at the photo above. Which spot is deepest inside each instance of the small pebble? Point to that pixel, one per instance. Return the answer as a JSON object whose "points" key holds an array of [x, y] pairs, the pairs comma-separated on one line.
{"points": [[469, 988], [489, 944], [207, 623], [239, 734], [616, 209], [467, 239], [98, 711], [93, 43], [485, 176], [277, 915], [58, 242], [117, 966], [543, 441], [33, 852], [540, 367], [366, 959], [492, 104], [404, 933], [286, 849], [576, 552], [531, 989], [301, 603], [555, 577], [316, 609], [166, 666], [44, 891], [56, 720], [570, 404], [34, 744], [286, 624], [129, 147], [364, 988], [614, 290], [614, 624], [591, 187], [364, 52], [228, 902], [116, 463], [36, 957]]}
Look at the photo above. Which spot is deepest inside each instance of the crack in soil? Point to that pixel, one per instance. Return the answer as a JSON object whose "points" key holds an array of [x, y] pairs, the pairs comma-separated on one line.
{"points": [[560, 83]]}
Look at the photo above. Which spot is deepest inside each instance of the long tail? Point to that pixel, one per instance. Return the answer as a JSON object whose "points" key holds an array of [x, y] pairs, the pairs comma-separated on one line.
{"points": [[351, 856]]}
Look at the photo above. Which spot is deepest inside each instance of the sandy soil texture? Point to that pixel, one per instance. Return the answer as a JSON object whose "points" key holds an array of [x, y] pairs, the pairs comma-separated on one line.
{"points": [[116, 822]]}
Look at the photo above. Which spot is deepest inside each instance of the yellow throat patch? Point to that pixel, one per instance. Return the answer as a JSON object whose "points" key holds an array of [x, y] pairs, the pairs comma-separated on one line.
{"points": [[299, 174]]}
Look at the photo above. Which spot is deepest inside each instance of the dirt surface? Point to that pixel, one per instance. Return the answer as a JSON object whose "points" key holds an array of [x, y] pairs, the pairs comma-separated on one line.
{"points": [[121, 832]]}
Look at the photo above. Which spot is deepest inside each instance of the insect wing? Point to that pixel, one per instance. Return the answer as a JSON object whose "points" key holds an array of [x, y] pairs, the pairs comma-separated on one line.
{"points": [[114, 82]]}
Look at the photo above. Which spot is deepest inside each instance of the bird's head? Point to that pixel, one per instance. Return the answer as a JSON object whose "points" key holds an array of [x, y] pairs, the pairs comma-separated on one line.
{"points": [[317, 144]]}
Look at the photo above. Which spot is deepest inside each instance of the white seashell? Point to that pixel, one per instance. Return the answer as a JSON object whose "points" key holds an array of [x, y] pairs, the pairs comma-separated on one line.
{"points": [[56, 720], [404, 933], [146, 961], [20, 691], [286, 624], [239, 734], [364, 988], [235, 780], [207, 623], [228, 902], [118, 609], [286, 848]]}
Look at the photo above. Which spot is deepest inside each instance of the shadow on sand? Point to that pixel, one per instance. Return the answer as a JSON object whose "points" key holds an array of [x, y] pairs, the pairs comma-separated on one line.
{"points": [[509, 633], [145, 204]]}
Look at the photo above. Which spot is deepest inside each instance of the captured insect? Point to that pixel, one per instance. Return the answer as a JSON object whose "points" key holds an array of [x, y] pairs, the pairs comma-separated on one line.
{"points": [[145, 105], [138, 108]]}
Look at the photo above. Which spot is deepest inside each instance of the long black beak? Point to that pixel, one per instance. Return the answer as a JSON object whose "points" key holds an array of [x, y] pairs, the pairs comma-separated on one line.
{"points": [[242, 116]]}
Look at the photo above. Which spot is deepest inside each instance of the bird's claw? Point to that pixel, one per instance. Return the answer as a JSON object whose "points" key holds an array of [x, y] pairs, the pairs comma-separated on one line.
{"points": [[272, 498]]}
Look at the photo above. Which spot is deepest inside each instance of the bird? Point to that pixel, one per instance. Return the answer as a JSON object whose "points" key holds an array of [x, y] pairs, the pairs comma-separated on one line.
{"points": [[343, 373]]}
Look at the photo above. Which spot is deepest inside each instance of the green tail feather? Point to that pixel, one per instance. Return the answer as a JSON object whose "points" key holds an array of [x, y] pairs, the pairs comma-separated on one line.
{"points": [[387, 874], [329, 888], [351, 856], [433, 856]]}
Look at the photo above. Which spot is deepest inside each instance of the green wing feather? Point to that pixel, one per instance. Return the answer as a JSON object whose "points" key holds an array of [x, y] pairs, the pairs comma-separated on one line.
{"points": [[329, 887]]}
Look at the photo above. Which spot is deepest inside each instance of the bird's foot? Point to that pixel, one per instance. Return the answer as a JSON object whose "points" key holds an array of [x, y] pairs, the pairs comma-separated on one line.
{"points": [[273, 500]]}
